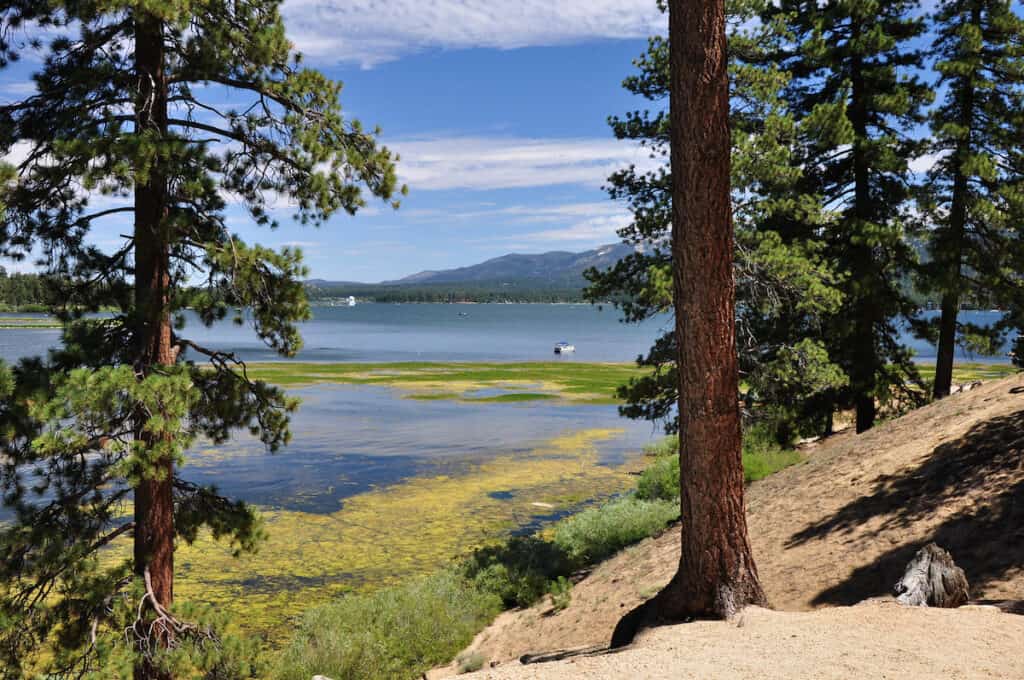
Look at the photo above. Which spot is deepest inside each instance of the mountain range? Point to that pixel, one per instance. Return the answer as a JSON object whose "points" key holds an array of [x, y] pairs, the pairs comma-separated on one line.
{"points": [[553, 272]]}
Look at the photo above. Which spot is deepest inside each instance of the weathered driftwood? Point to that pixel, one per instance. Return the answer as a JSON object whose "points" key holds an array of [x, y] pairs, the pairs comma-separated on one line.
{"points": [[932, 579], [545, 657]]}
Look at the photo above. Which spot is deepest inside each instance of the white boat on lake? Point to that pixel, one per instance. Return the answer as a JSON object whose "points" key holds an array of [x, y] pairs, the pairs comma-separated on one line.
{"points": [[564, 348]]}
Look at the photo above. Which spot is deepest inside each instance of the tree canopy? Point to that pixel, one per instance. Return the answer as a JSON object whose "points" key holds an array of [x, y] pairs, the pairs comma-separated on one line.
{"points": [[152, 117]]}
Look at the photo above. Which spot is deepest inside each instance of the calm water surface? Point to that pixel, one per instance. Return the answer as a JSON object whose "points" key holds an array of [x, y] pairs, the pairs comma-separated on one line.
{"points": [[350, 438], [438, 332], [418, 332]]}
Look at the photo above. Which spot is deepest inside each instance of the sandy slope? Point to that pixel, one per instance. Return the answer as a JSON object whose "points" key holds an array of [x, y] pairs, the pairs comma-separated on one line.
{"points": [[875, 640], [835, 531]]}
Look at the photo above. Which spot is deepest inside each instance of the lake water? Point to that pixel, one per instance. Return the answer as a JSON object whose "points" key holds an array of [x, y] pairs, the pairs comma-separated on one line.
{"points": [[348, 439], [439, 332], [419, 332]]}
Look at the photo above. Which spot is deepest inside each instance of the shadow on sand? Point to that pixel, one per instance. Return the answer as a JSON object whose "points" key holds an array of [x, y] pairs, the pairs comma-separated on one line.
{"points": [[985, 537]]}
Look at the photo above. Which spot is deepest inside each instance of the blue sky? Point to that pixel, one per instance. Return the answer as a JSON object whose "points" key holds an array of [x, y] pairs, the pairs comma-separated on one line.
{"points": [[498, 111]]}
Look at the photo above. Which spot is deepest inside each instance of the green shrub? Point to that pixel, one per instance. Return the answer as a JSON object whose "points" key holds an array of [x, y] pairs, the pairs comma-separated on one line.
{"points": [[763, 455], [471, 662], [561, 593], [397, 632], [666, 446], [760, 464], [597, 533], [518, 571], [659, 480]]}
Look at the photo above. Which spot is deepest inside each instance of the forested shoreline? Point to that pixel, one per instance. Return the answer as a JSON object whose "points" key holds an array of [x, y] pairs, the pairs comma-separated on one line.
{"points": [[27, 292]]}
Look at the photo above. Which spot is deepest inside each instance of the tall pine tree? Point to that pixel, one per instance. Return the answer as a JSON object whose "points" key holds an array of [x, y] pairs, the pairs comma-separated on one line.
{"points": [[716, 575], [973, 196], [854, 79], [785, 290], [128, 123]]}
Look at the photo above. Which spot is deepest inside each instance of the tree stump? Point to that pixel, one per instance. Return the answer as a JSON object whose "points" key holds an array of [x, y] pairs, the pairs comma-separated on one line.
{"points": [[932, 579]]}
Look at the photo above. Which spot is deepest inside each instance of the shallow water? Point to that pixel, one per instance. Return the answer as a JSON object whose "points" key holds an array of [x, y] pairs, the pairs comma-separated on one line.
{"points": [[349, 439]]}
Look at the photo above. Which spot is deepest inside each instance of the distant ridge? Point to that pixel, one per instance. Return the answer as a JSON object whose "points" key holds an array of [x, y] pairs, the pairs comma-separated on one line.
{"points": [[551, 276], [557, 267]]}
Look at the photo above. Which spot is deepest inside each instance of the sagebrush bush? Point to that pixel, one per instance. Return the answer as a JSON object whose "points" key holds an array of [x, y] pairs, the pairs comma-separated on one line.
{"points": [[561, 593], [471, 662], [519, 570], [522, 570], [659, 480], [762, 456], [393, 633], [597, 533]]}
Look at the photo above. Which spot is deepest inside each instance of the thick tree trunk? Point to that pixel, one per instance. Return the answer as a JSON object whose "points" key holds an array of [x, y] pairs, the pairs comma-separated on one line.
{"points": [[862, 265], [716, 575], [154, 507]]}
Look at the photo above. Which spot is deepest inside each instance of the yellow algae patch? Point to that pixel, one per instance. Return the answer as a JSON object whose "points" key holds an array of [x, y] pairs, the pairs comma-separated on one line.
{"points": [[572, 381], [391, 533]]}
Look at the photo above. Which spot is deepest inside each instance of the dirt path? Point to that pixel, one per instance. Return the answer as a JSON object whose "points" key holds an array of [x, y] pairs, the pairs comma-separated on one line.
{"points": [[839, 529], [866, 641]]}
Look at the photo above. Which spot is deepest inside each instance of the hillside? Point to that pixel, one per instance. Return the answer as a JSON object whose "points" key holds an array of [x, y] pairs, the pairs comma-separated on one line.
{"points": [[556, 268], [836, 530], [551, 276]]}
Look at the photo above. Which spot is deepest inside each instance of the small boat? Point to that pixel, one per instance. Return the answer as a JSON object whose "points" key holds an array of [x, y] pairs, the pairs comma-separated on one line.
{"points": [[564, 347], [351, 301]]}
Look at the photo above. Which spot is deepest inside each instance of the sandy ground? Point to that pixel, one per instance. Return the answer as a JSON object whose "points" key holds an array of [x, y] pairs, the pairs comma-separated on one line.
{"points": [[837, 530], [875, 640]]}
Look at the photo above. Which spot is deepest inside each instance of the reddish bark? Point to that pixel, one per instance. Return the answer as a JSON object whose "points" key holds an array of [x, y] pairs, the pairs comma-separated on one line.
{"points": [[716, 575]]}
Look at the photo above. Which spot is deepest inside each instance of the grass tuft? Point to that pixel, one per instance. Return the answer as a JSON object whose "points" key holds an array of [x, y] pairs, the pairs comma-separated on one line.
{"points": [[599, 533], [394, 633]]}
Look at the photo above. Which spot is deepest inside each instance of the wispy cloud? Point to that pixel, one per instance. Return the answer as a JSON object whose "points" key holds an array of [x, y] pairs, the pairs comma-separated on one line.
{"points": [[371, 32], [572, 224], [922, 164], [592, 230], [481, 163]]}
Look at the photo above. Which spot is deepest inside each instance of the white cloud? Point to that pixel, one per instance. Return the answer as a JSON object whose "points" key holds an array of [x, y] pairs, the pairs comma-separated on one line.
{"points": [[600, 229], [573, 224], [18, 153], [507, 163], [371, 32], [923, 164]]}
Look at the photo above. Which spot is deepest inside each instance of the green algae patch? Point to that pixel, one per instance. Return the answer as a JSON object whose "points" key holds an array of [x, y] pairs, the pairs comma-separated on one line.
{"points": [[514, 397], [589, 383], [390, 534], [969, 372], [433, 396], [15, 322]]}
